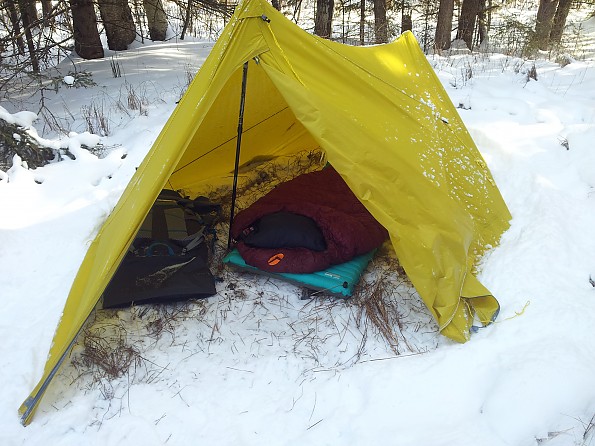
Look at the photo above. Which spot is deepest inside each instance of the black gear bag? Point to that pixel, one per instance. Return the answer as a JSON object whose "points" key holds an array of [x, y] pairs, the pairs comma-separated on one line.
{"points": [[168, 259]]}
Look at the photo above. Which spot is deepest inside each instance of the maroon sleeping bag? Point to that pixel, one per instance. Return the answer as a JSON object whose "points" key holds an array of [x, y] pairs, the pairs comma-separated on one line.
{"points": [[335, 214]]}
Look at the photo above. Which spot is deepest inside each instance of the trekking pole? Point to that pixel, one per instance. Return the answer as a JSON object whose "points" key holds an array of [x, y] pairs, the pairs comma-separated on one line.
{"points": [[238, 146]]}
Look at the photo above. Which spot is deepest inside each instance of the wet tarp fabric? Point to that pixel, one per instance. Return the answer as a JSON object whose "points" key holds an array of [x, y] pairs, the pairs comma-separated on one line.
{"points": [[386, 125]]}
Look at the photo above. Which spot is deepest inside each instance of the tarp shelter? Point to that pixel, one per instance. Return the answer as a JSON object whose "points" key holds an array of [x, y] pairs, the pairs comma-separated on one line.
{"points": [[385, 123]]}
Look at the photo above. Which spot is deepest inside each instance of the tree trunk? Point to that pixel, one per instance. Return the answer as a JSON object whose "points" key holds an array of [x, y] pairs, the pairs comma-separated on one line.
{"points": [[156, 19], [467, 21], [362, 22], [544, 23], [187, 18], [28, 7], [406, 20], [276, 4], [323, 23], [380, 23], [16, 26], [482, 22], [46, 8], [28, 20], [46, 12], [87, 43], [119, 25], [560, 21], [444, 25]]}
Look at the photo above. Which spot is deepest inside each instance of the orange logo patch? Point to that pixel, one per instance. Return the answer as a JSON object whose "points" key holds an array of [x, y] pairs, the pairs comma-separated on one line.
{"points": [[275, 259]]}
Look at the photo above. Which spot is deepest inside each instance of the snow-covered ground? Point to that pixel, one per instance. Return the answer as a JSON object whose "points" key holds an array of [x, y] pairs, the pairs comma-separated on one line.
{"points": [[257, 365]]}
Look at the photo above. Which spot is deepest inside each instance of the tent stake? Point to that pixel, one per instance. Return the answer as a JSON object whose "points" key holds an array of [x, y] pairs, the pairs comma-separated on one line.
{"points": [[238, 146]]}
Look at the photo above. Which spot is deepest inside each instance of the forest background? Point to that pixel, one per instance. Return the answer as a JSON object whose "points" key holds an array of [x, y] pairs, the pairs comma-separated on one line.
{"points": [[36, 35]]}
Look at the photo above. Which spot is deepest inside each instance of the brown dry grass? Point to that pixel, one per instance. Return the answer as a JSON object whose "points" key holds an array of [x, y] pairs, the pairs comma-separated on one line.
{"points": [[106, 351], [379, 299]]}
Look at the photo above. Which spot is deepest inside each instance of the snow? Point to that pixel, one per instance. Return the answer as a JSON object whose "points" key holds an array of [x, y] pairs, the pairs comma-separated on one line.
{"points": [[257, 365], [24, 119]]}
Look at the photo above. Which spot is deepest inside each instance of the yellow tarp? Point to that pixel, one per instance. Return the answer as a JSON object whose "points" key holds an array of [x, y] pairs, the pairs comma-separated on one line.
{"points": [[386, 125]]}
